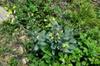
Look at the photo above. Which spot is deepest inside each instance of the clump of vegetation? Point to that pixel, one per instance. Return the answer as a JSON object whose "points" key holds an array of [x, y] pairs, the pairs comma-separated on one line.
{"points": [[53, 33]]}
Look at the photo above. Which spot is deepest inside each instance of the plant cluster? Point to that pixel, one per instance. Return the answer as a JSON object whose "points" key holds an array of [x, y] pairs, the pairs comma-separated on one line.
{"points": [[57, 36]]}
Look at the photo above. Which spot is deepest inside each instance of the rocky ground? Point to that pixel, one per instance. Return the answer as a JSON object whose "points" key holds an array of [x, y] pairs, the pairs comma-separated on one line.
{"points": [[11, 48]]}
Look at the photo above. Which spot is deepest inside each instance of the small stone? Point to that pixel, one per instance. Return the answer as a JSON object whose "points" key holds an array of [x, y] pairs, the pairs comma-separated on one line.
{"points": [[18, 49], [24, 60], [22, 38], [21, 50]]}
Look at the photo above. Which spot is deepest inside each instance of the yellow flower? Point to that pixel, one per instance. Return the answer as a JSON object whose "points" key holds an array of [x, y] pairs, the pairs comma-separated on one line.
{"points": [[14, 7], [10, 11], [6, 8]]}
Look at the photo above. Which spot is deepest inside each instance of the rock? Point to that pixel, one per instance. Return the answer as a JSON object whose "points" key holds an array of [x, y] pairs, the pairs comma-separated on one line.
{"points": [[4, 15], [24, 60], [5, 59], [96, 2], [18, 49]]}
